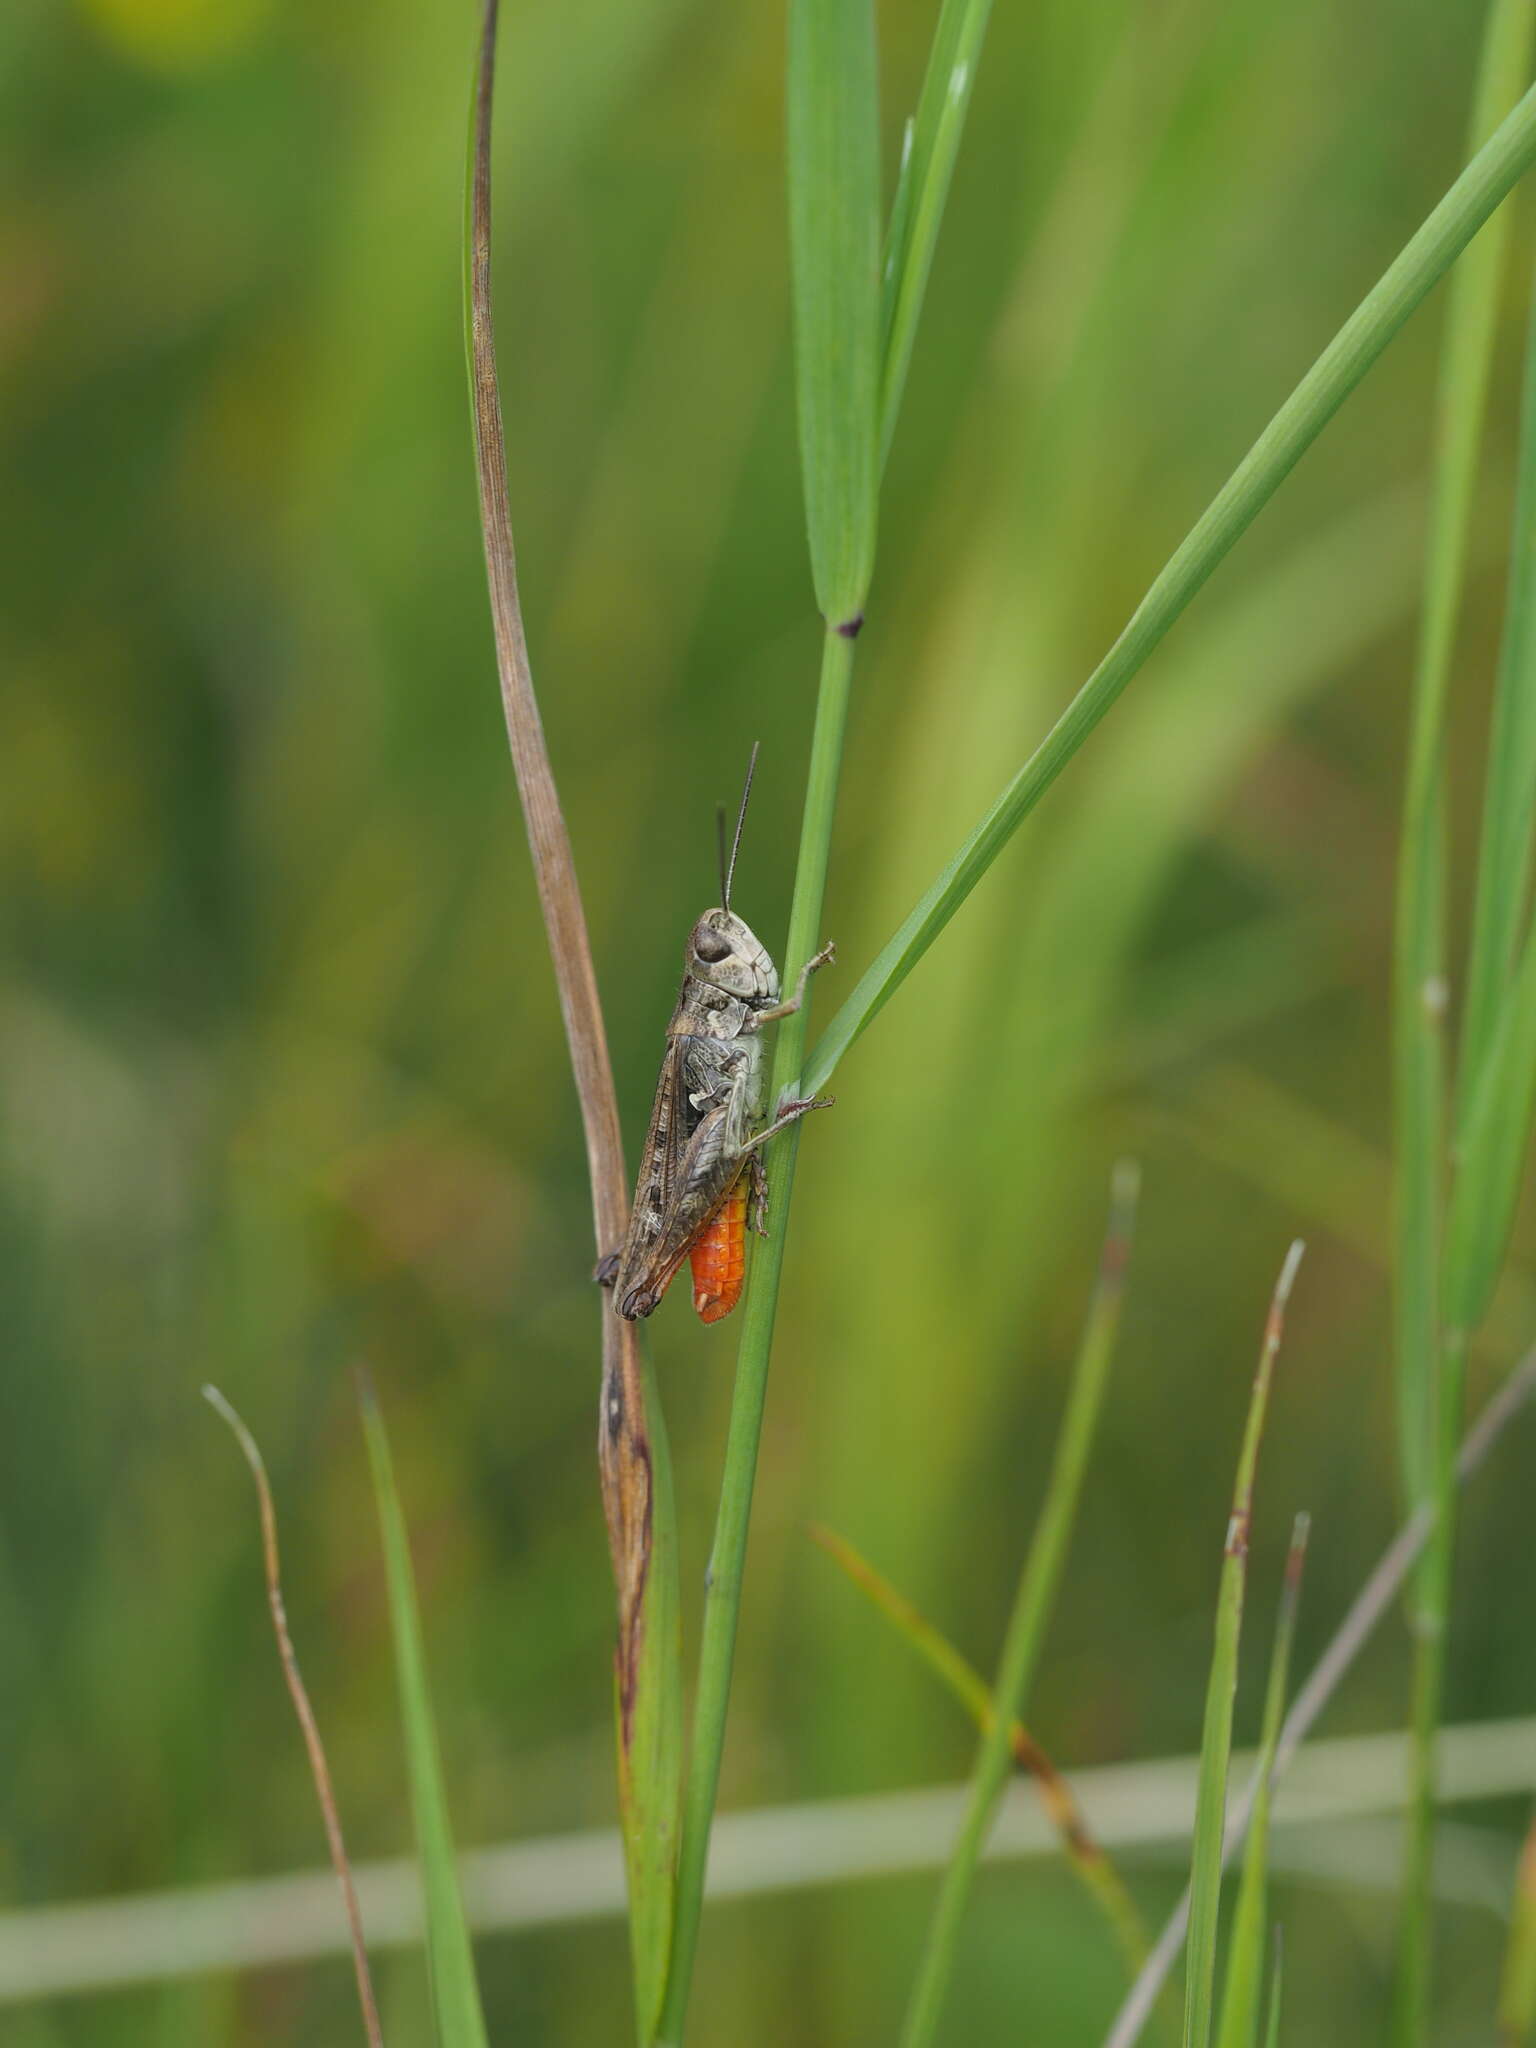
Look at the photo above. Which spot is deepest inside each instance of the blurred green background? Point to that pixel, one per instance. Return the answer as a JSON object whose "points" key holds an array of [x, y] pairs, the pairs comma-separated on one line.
{"points": [[284, 1086]]}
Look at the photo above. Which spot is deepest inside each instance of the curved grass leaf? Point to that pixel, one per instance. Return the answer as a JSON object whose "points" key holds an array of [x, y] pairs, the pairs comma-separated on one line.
{"points": [[1429, 254], [1216, 1743], [456, 2012], [633, 1459]]}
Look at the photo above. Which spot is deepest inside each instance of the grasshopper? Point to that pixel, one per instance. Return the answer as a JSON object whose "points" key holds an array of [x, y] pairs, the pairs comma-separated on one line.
{"points": [[703, 1149]]}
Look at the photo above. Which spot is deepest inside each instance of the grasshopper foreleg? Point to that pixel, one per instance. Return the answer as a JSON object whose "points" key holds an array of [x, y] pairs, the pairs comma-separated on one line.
{"points": [[789, 1113], [792, 1003]]}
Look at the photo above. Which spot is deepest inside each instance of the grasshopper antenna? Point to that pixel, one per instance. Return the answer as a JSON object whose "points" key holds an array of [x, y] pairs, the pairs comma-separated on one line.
{"points": [[728, 868]]}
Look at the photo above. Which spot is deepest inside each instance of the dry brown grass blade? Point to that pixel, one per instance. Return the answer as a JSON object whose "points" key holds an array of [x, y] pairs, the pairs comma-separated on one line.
{"points": [[319, 1769], [623, 1438]]}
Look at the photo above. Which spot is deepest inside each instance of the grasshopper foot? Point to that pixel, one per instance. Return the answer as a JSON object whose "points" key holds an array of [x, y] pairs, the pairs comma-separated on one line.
{"points": [[790, 1111], [758, 1199], [638, 1302], [792, 1003], [801, 1105], [606, 1271]]}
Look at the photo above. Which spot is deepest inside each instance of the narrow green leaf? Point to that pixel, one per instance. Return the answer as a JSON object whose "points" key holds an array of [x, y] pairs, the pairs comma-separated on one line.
{"points": [[450, 1956], [1517, 1992], [1243, 1989], [1032, 1610], [1509, 802], [1084, 1854], [930, 146], [1495, 1140], [834, 236], [1430, 253], [1428, 1371], [1216, 1742], [1272, 2031], [1419, 974]]}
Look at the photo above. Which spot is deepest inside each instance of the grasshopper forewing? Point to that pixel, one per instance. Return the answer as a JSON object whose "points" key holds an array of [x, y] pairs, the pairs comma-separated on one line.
{"points": [[709, 1120]]}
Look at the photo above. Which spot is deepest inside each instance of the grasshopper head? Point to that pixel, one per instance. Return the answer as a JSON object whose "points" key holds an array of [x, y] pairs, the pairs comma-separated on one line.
{"points": [[725, 952]]}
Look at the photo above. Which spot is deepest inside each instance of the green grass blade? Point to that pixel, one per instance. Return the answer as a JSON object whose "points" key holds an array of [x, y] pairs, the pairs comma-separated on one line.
{"points": [[1086, 1856], [450, 1956], [928, 161], [1509, 802], [1428, 1366], [1419, 956], [1031, 1613], [1347, 358], [1517, 1990], [1216, 1743], [1272, 2030], [834, 238], [1495, 1140], [1243, 1988]]}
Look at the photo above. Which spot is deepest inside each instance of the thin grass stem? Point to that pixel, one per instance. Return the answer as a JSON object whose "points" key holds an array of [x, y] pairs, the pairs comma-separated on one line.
{"points": [[1216, 1744], [1243, 1987], [1374, 1599], [456, 2008], [1032, 1610], [723, 1583], [1428, 1375], [1507, 840], [309, 1727]]}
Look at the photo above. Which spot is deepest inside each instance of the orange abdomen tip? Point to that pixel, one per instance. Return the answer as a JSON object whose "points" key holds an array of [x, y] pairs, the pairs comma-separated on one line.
{"points": [[719, 1256]]}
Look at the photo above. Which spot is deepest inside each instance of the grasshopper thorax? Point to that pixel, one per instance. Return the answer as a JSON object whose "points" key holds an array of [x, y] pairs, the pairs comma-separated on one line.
{"points": [[724, 953]]}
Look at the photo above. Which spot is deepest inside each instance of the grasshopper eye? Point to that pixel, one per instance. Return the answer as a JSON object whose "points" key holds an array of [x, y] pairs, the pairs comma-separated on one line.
{"points": [[709, 945]]}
